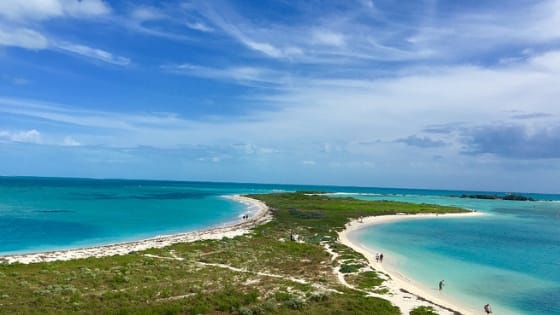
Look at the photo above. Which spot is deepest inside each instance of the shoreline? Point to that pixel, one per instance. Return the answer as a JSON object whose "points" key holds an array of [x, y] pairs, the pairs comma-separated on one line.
{"points": [[258, 214], [404, 293]]}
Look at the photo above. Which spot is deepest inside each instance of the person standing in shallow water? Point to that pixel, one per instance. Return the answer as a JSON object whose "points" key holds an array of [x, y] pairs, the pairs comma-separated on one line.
{"points": [[441, 284], [381, 257], [488, 309]]}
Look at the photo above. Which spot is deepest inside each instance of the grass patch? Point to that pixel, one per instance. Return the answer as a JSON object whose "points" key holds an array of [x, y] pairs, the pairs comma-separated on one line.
{"points": [[366, 280]]}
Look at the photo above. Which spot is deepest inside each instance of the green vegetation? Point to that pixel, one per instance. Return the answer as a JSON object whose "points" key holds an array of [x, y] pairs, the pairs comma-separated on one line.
{"points": [[423, 310], [259, 273]]}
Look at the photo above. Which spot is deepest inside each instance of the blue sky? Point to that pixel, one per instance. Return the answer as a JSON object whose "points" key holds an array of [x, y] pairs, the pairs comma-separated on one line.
{"points": [[432, 94]]}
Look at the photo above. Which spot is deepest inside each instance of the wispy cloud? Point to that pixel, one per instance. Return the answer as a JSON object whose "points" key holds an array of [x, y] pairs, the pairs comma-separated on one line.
{"points": [[41, 10], [23, 38], [492, 28], [23, 18], [152, 21], [239, 74], [92, 53], [346, 37], [199, 26], [144, 13]]}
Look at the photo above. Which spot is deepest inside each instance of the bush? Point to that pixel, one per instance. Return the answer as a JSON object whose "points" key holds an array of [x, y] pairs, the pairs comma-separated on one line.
{"points": [[346, 268], [423, 310], [282, 296], [245, 311], [295, 304]]}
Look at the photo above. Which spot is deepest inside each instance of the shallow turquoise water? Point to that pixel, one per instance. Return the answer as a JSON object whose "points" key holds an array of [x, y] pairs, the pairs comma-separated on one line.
{"points": [[510, 259]]}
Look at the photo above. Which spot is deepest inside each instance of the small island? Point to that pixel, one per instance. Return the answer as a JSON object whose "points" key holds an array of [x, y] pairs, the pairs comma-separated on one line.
{"points": [[499, 197]]}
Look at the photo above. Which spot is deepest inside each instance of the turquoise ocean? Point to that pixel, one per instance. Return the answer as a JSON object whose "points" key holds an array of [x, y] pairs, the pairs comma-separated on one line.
{"points": [[509, 258]]}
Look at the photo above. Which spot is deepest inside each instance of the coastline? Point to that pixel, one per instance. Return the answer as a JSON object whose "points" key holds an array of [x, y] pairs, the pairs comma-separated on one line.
{"points": [[404, 293], [258, 214]]}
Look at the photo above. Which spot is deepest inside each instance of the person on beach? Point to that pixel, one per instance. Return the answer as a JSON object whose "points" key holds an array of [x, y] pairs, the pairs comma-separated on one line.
{"points": [[441, 284], [376, 257], [488, 309], [381, 257]]}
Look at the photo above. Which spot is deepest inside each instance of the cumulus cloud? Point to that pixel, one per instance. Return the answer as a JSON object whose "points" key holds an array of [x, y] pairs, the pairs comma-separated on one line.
{"points": [[31, 136], [513, 141]]}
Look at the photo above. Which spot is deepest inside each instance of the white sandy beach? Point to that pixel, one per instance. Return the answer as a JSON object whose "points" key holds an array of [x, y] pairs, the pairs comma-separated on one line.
{"points": [[258, 214], [417, 295]]}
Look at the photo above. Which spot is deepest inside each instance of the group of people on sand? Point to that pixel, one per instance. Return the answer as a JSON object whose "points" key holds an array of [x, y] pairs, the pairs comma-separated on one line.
{"points": [[379, 257], [487, 307]]}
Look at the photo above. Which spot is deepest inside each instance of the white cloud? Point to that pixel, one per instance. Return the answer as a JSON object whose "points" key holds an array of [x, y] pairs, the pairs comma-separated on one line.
{"points": [[32, 136], [345, 114], [542, 23], [85, 8], [346, 37], [143, 13], [23, 18], [36, 137], [239, 34], [33, 40], [23, 38], [199, 26], [69, 141], [31, 9], [454, 35], [45, 9], [549, 61], [328, 38], [265, 48], [241, 74], [93, 53]]}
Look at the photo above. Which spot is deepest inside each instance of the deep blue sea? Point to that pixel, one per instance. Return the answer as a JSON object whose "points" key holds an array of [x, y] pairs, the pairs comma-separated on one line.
{"points": [[510, 258]]}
